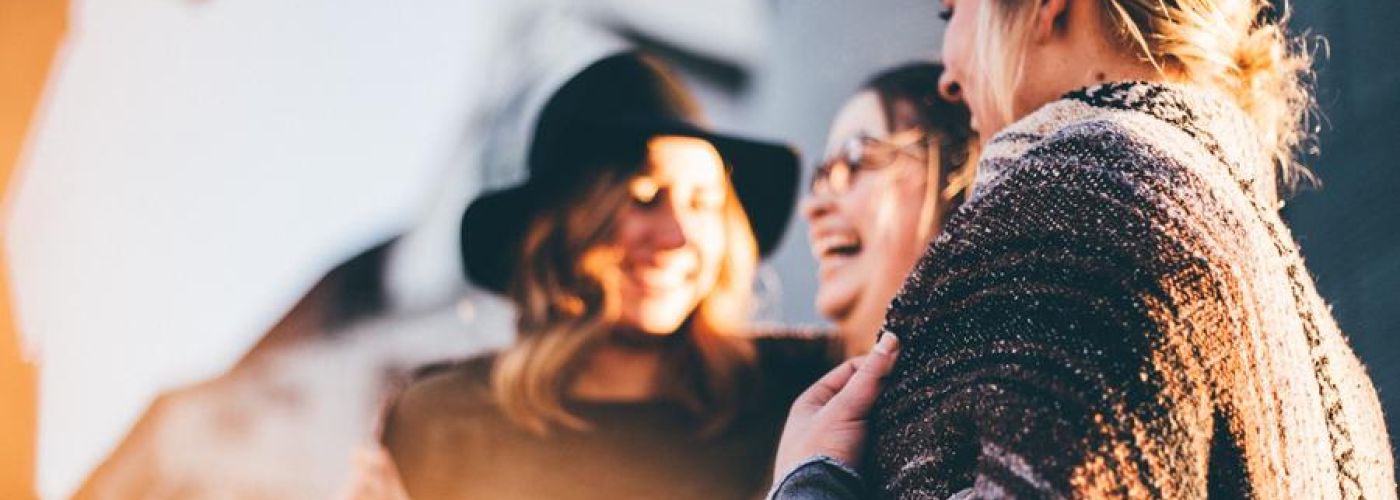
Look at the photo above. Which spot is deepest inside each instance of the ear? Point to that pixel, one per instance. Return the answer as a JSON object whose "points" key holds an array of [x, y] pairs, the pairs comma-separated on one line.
{"points": [[1052, 13]]}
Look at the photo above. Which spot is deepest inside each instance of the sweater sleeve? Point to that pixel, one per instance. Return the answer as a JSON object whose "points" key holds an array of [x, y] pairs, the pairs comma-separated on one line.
{"points": [[1044, 349], [819, 478]]}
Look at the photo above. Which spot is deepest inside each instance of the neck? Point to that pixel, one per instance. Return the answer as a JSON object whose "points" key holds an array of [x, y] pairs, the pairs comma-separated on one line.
{"points": [[621, 371], [1070, 59], [1115, 71], [858, 330], [1056, 80]]}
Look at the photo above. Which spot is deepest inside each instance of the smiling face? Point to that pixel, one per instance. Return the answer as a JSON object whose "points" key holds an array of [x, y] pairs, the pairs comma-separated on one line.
{"points": [[867, 238], [672, 235]]}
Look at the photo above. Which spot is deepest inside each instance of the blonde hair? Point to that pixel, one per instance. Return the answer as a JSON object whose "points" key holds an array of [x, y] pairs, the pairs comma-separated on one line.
{"points": [[948, 184], [566, 290], [1229, 45]]}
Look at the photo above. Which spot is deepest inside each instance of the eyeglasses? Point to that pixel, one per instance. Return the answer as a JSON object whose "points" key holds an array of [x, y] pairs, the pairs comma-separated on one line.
{"points": [[837, 174]]}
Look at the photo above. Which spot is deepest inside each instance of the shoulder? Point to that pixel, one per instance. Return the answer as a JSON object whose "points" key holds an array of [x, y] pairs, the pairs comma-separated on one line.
{"points": [[802, 345], [1107, 170], [436, 422], [455, 389], [1124, 149], [789, 360], [1097, 206], [1076, 144]]}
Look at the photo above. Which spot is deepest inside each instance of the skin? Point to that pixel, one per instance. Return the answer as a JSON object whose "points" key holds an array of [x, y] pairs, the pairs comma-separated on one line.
{"points": [[1070, 47], [829, 417], [867, 239], [671, 243]]}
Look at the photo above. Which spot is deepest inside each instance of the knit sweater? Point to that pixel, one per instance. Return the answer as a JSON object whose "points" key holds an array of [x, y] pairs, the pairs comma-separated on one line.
{"points": [[1119, 311]]}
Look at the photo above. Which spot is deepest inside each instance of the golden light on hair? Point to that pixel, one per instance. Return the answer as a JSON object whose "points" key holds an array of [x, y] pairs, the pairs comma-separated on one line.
{"points": [[1237, 47], [1005, 30], [567, 296]]}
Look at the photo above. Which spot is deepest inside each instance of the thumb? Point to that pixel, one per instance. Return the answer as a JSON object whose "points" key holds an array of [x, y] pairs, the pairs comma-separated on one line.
{"points": [[855, 399], [827, 387]]}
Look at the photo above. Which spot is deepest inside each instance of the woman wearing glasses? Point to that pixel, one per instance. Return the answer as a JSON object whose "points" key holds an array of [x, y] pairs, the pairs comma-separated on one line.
{"points": [[897, 165]]}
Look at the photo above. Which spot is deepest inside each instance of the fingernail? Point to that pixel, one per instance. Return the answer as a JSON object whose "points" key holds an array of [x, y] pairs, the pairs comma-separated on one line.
{"points": [[887, 343]]}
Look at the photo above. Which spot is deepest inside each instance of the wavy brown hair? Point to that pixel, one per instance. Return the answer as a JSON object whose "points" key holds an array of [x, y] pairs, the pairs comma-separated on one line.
{"points": [[566, 292]]}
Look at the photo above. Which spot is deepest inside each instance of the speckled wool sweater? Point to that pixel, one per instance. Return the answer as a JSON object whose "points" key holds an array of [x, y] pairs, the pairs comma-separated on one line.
{"points": [[1119, 311]]}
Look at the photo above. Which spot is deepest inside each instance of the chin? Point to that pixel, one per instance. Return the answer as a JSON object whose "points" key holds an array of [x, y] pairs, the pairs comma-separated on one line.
{"points": [[834, 307], [660, 319], [657, 327]]}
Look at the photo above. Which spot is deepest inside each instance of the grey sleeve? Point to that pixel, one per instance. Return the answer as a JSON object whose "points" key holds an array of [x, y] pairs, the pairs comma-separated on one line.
{"points": [[819, 478]]}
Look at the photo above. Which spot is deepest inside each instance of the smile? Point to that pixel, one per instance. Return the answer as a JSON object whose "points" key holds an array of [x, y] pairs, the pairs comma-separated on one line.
{"points": [[661, 279], [836, 245]]}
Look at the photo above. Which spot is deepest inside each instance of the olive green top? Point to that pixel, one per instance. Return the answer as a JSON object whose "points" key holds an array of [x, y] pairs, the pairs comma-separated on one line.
{"points": [[449, 438]]}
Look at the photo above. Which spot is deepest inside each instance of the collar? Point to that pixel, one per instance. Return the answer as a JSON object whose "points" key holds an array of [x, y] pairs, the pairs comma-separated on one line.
{"points": [[1207, 118]]}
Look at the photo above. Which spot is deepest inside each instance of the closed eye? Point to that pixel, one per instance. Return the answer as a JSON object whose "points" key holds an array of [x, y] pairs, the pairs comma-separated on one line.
{"points": [[708, 200]]}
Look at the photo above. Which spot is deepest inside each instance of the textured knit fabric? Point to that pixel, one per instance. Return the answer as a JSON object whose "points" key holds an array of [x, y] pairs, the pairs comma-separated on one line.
{"points": [[1119, 311], [449, 439]]}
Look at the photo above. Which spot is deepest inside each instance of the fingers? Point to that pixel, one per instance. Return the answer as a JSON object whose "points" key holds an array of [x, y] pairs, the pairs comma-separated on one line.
{"points": [[830, 384], [854, 400]]}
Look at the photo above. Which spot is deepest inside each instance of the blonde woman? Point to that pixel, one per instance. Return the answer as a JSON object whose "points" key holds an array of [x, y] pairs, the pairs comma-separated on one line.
{"points": [[1118, 310], [630, 255], [898, 164]]}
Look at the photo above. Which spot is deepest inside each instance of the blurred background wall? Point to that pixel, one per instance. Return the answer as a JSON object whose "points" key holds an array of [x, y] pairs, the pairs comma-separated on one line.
{"points": [[193, 167], [197, 165], [1350, 228]]}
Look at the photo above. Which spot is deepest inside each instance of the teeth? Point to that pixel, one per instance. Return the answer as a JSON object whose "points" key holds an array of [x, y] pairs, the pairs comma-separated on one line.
{"points": [[829, 243], [663, 277]]}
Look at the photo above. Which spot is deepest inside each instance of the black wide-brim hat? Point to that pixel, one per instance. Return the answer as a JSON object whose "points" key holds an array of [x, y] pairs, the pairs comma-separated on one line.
{"points": [[599, 120]]}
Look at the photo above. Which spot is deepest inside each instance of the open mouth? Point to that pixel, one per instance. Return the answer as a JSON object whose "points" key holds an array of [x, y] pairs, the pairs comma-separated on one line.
{"points": [[836, 245]]}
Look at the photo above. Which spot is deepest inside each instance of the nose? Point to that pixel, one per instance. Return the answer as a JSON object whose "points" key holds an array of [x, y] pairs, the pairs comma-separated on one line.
{"points": [[948, 88], [668, 231], [816, 205]]}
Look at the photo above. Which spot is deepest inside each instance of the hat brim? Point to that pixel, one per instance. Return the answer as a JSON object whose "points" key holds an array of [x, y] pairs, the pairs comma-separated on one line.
{"points": [[764, 175]]}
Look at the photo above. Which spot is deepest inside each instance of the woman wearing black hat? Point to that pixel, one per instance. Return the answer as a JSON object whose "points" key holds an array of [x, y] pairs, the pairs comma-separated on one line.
{"points": [[630, 255]]}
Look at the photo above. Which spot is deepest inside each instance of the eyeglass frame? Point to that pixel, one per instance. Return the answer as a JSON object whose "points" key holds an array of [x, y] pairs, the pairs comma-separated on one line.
{"points": [[852, 151]]}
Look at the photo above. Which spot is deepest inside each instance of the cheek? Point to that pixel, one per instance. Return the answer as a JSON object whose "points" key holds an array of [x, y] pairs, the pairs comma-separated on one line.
{"points": [[952, 50], [899, 229], [710, 242], [906, 244], [627, 233], [958, 45], [862, 209]]}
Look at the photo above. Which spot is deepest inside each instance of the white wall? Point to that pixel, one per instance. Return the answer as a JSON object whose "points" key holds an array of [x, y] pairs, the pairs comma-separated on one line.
{"points": [[196, 166]]}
